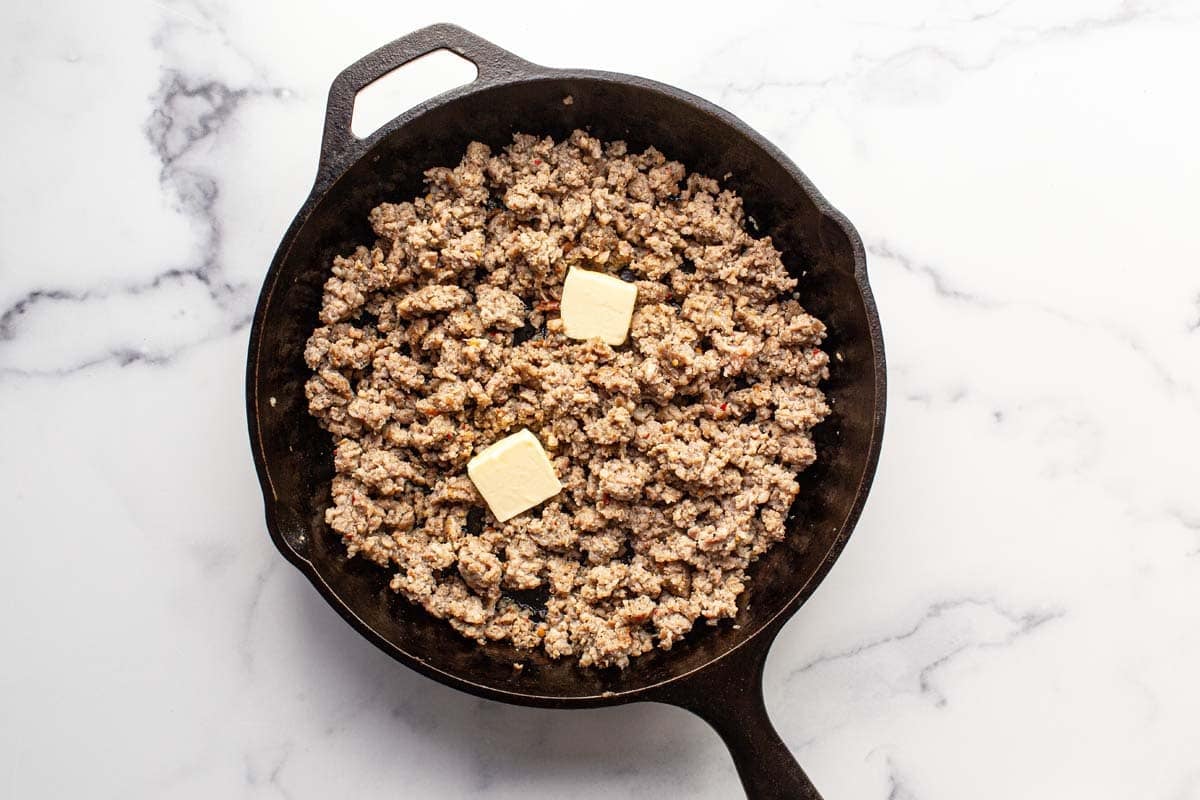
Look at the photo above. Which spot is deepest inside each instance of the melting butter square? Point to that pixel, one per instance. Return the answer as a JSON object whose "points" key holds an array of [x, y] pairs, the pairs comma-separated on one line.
{"points": [[514, 475], [597, 305]]}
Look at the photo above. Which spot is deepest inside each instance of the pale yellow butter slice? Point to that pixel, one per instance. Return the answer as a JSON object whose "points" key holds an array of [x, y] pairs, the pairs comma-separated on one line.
{"points": [[597, 305], [514, 475]]}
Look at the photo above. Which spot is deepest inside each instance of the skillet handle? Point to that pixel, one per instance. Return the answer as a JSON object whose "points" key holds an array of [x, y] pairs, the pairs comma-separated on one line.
{"points": [[728, 695], [494, 64]]}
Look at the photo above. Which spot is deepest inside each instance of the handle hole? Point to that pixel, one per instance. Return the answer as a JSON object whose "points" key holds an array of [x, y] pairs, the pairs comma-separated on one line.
{"points": [[387, 97]]}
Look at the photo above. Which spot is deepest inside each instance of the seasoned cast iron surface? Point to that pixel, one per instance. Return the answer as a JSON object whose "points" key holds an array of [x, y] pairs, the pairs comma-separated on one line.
{"points": [[293, 454]]}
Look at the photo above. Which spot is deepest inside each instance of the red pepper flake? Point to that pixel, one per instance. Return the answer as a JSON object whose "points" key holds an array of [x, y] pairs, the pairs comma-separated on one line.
{"points": [[724, 406], [604, 497], [537, 162]]}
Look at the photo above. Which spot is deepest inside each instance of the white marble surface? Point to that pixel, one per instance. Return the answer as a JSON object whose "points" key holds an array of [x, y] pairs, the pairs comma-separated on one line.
{"points": [[1018, 614]]}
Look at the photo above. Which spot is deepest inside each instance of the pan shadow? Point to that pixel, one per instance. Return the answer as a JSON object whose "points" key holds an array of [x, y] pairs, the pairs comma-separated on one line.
{"points": [[635, 748]]}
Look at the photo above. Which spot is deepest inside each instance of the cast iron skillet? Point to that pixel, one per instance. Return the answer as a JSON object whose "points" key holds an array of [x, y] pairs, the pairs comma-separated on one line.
{"points": [[717, 672]]}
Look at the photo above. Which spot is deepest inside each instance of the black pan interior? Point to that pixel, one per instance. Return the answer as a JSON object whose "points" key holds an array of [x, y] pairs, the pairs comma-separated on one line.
{"points": [[296, 452]]}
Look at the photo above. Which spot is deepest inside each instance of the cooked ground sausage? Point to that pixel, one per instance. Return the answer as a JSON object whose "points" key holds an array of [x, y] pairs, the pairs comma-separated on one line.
{"points": [[677, 450]]}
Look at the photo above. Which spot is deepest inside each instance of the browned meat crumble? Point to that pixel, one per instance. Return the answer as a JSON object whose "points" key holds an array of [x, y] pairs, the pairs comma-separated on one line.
{"points": [[677, 450]]}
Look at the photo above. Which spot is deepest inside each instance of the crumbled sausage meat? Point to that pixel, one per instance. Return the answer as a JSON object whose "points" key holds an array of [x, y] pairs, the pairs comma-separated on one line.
{"points": [[677, 451]]}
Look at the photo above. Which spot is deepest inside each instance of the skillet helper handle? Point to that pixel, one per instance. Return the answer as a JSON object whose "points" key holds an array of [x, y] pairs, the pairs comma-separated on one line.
{"points": [[494, 65], [729, 696]]}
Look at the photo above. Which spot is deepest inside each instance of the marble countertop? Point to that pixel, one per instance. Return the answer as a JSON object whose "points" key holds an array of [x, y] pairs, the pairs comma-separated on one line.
{"points": [[1018, 613]]}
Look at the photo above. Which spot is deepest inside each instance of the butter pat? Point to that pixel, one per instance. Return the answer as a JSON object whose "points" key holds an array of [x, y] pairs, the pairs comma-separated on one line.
{"points": [[597, 305], [514, 475]]}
